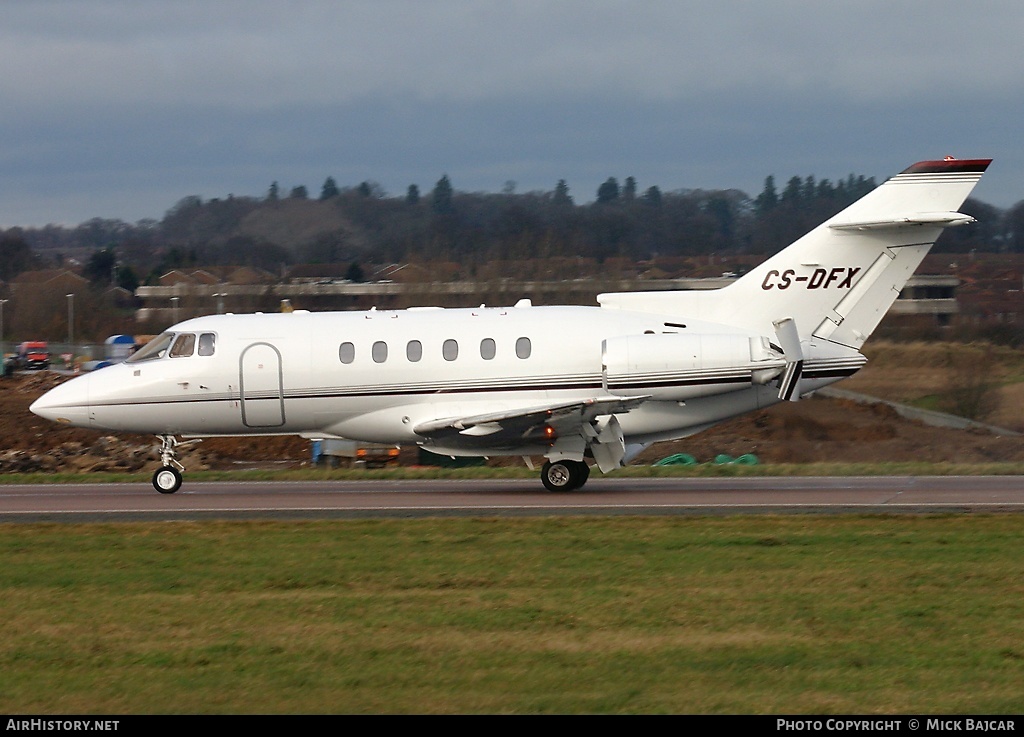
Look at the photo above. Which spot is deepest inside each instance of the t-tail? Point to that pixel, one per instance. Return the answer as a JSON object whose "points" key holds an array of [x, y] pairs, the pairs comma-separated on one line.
{"points": [[837, 282]]}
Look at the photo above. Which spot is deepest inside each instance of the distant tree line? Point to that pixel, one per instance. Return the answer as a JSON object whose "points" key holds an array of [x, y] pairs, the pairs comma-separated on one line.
{"points": [[362, 223]]}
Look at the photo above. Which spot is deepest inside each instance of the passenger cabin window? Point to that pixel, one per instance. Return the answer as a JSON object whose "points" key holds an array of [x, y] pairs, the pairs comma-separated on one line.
{"points": [[414, 351], [156, 348], [487, 349], [184, 345], [450, 350], [347, 352], [379, 352], [523, 348]]}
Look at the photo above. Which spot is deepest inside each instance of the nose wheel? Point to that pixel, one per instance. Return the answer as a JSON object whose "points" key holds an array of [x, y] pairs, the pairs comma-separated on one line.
{"points": [[167, 478]]}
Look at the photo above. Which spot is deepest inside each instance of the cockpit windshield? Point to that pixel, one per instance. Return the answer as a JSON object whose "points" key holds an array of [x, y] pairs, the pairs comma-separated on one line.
{"points": [[176, 345], [156, 348], [184, 345]]}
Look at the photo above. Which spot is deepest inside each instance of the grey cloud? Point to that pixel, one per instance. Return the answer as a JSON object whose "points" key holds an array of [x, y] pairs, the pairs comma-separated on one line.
{"points": [[118, 108], [258, 55]]}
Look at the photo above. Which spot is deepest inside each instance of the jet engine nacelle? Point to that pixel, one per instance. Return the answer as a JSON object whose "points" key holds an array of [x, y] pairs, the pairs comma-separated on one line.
{"points": [[676, 367]]}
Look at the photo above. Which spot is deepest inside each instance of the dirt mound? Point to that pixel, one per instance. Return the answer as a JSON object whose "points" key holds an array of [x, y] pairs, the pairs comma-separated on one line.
{"points": [[815, 429], [30, 444], [820, 429], [36, 383]]}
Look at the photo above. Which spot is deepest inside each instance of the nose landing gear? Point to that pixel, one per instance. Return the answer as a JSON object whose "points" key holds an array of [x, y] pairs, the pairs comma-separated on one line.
{"points": [[167, 478]]}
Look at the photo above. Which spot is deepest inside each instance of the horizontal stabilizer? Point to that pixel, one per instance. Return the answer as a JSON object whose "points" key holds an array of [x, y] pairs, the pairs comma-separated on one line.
{"points": [[934, 219]]}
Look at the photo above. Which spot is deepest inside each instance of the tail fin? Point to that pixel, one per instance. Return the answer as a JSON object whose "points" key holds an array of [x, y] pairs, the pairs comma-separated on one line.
{"points": [[838, 281]]}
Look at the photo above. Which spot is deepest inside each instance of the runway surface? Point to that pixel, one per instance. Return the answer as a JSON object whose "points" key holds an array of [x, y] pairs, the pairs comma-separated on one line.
{"points": [[433, 498]]}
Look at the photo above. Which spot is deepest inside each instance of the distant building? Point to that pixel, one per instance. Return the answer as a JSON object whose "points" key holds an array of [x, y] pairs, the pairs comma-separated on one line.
{"points": [[926, 299], [59, 280]]}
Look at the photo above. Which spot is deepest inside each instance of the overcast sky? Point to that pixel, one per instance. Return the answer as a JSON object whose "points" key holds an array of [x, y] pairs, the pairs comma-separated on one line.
{"points": [[118, 109]]}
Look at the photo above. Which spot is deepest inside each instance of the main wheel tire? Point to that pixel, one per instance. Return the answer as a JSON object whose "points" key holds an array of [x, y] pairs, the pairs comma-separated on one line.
{"points": [[564, 475], [557, 476], [167, 480]]}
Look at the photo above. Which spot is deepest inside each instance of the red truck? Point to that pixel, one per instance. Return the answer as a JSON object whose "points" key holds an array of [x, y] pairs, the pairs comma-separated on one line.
{"points": [[33, 354]]}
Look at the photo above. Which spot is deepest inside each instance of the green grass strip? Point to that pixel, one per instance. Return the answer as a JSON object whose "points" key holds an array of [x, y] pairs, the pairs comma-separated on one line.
{"points": [[746, 614]]}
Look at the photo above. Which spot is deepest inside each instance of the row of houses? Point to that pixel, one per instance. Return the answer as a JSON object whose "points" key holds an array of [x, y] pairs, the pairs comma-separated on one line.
{"points": [[62, 281]]}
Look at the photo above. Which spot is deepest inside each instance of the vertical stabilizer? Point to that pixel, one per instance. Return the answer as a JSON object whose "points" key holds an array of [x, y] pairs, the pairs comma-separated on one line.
{"points": [[838, 281]]}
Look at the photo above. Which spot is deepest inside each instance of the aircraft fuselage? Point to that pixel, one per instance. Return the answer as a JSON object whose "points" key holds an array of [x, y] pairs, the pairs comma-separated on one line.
{"points": [[376, 376]]}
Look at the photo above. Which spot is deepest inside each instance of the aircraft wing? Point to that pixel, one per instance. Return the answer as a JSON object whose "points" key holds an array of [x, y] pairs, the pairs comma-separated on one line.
{"points": [[526, 426]]}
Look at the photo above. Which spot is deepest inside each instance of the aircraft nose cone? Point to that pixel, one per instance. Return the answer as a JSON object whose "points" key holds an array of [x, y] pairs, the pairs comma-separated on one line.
{"points": [[67, 403]]}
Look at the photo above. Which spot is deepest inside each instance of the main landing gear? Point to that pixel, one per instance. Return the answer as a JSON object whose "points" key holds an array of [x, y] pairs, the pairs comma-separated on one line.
{"points": [[564, 475], [167, 478]]}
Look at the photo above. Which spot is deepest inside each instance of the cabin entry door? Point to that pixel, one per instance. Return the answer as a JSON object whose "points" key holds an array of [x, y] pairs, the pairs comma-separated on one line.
{"points": [[261, 386]]}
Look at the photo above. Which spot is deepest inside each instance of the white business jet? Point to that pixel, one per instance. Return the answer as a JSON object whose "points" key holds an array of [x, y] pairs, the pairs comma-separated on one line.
{"points": [[576, 385]]}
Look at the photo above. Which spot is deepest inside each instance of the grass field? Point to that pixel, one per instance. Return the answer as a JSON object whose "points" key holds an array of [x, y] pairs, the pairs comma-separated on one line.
{"points": [[787, 614], [945, 376]]}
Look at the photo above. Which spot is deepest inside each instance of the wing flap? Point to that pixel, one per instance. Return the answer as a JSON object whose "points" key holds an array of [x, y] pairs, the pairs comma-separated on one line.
{"points": [[530, 424]]}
